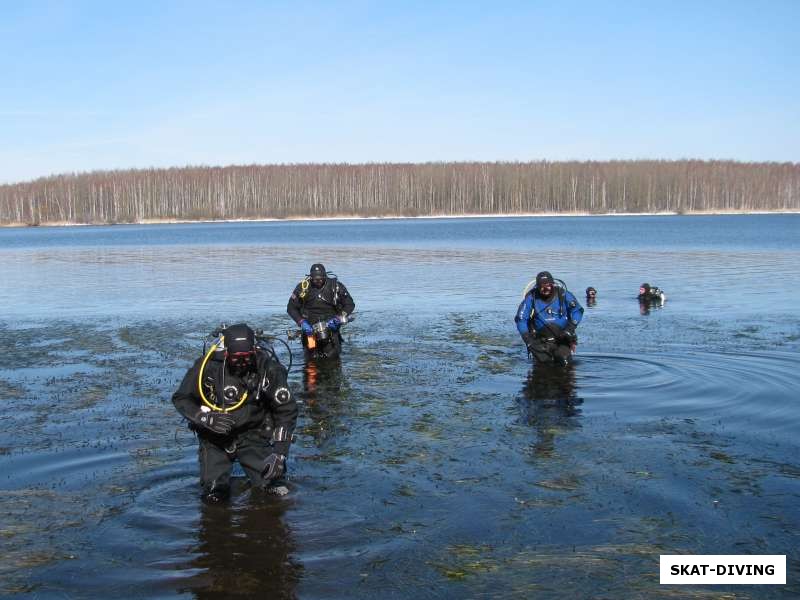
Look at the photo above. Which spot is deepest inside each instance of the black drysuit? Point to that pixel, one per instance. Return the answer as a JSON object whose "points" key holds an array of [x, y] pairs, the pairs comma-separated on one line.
{"points": [[251, 439], [654, 294], [320, 305]]}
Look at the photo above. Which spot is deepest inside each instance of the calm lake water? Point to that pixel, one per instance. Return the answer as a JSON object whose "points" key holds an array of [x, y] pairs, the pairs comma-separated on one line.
{"points": [[434, 462]]}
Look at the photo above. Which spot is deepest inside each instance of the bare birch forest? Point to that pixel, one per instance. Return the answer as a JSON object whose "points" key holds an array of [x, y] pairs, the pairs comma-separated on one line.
{"points": [[330, 190]]}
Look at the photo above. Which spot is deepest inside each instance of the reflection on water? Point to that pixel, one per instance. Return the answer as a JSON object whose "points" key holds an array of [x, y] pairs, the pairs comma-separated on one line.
{"points": [[322, 396], [550, 404], [645, 307], [433, 460], [243, 552]]}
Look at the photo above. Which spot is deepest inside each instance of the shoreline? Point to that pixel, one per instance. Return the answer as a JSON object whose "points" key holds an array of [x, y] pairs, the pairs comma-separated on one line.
{"points": [[400, 218]]}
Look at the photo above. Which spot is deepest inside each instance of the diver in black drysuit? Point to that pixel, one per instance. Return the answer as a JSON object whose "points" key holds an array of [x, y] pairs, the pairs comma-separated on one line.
{"points": [[323, 301], [591, 296], [252, 418], [649, 297], [650, 293]]}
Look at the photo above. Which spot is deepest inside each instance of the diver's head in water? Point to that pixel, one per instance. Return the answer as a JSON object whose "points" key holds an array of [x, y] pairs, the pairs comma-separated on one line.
{"points": [[545, 283], [591, 293], [240, 348], [318, 275]]}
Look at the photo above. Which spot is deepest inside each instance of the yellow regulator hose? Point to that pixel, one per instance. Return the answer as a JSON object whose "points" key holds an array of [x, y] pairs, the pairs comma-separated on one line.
{"points": [[205, 400]]}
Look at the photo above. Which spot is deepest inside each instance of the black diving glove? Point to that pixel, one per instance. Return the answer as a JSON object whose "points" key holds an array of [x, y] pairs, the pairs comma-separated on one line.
{"points": [[216, 422], [569, 335], [274, 467]]}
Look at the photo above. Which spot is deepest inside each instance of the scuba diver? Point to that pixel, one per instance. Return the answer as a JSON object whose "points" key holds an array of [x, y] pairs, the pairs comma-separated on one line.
{"points": [[650, 293], [320, 305], [546, 319], [650, 297], [591, 296], [237, 401]]}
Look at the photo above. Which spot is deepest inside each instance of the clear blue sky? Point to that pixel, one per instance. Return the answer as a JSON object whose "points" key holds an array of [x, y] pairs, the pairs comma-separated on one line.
{"points": [[104, 85]]}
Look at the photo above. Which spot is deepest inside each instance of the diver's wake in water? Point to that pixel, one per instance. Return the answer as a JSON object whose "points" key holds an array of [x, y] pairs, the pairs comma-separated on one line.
{"points": [[753, 388]]}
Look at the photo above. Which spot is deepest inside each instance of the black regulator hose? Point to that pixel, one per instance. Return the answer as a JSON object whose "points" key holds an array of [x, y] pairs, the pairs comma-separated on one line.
{"points": [[263, 337]]}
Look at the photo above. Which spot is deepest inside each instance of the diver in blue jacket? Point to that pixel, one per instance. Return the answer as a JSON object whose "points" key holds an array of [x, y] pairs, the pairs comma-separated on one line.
{"points": [[546, 319]]}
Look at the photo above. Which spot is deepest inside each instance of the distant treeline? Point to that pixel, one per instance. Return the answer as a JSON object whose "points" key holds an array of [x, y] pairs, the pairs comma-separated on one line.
{"points": [[330, 190]]}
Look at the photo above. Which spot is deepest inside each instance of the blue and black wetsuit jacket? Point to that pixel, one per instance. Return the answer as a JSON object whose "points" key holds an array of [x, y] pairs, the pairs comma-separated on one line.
{"points": [[560, 312]]}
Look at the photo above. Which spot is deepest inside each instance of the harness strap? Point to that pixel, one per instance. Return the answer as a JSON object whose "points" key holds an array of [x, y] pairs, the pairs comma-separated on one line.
{"points": [[304, 285]]}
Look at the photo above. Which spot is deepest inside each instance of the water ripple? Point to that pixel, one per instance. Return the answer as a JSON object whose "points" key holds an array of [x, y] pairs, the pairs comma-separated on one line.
{"points": [[757, 388]]}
